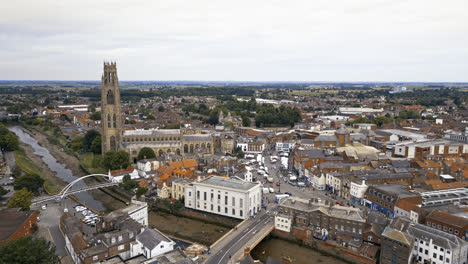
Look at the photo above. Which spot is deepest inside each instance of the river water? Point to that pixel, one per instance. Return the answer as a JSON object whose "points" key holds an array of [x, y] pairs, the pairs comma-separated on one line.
{"points": [[60, 169]]}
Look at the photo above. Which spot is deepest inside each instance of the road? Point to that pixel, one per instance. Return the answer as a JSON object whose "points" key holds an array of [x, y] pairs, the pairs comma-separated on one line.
{"points": [[302, 192], [225, 251]]}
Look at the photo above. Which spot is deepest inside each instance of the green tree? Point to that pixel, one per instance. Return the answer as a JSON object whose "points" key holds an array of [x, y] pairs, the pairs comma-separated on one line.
{"points": [[89, 138], [21, 199], [150, 117], [141, 191], [245, 121], [96, 145], [2, 191], [28, 249], [16, 172], [32, 182], [128, 184], [161, 108], [95, 116], [114, 160], [9, 141], [146, 153], [76, 143]]}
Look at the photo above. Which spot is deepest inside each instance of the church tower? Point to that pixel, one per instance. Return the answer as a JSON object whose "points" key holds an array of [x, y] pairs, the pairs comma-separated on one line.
{"points": [[111, 117]]}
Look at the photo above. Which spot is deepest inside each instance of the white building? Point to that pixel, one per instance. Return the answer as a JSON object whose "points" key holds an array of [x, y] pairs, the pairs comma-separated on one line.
{"points": [[138, 211], [230, 197], [317, 181], [283, 222], [148, 165], [285, 146], [436, 246], [357, 192], [118, 175], [334, 183], [151, 243]]}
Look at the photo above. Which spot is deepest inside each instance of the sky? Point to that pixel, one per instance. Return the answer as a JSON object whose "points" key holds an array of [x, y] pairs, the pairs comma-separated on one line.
{"points": [[241, 40]]}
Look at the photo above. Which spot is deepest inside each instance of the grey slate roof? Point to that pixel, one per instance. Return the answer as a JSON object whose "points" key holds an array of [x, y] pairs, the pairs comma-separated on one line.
{"points": [[151, 238]]}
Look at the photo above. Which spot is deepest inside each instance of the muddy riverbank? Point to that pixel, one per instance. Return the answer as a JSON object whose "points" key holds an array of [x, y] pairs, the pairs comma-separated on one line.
{"points": [[70, 163], [280, 249]]}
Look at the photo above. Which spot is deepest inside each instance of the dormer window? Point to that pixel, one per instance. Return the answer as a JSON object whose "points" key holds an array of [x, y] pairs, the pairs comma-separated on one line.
{"points": [[113, 240], [120, 238]]}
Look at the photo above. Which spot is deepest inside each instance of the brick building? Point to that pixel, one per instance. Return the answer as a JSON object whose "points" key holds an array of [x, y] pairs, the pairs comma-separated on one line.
{"points": [[15, 223]]}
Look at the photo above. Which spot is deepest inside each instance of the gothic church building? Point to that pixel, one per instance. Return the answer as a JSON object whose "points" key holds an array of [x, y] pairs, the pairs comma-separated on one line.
{"points": [[181, 141]]}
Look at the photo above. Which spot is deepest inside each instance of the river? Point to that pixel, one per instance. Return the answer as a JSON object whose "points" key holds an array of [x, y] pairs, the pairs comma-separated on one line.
{"points": [[61, 171]]}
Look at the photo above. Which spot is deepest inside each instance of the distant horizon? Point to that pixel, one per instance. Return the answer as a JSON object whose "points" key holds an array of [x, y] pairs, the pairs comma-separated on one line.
{"points": [[253, 82]]}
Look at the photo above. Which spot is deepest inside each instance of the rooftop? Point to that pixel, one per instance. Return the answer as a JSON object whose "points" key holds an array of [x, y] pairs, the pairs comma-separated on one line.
{"points": [[232, 183], [11, 219]]}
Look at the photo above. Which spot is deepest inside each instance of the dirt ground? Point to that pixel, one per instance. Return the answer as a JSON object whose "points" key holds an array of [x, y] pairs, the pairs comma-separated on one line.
{"points": [[278, 249], [44, 169], [185, 228]]}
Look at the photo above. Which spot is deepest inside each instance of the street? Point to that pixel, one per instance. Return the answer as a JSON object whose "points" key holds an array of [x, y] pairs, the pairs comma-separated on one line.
{"points": [[228, 249]]}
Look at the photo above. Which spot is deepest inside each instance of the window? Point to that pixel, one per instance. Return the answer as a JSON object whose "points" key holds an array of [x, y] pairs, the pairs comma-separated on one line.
{"points": [[438, 227], [95, 257], [369, 238], [225, 210], [450, 230], [433, 225], [211, 207], [441, 257], [426, 252], [225, 200], [240, 212], [428, 223], [113, 240], [130, 235], [204, 196], [420, 250], [441, 250], [447, 260], [219, 208], [198, 194], [435, 247], [233, 201], [448, 251], [434, 255], [456, 232], [162, 246], [445, 228], [233, 211], [241, 202], [121, 247], [120, 238]]}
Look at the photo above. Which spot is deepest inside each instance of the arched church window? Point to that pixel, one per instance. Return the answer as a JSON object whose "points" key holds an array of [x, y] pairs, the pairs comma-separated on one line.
{"points": [[110, 97]]}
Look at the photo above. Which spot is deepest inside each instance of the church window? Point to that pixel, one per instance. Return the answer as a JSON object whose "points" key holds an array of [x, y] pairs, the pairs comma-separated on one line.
{"points": [[115, 121], [109, 122], [110, 98]]}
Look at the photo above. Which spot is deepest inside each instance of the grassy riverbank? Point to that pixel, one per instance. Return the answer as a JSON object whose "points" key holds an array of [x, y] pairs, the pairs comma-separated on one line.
{"points": [[51, 184]]}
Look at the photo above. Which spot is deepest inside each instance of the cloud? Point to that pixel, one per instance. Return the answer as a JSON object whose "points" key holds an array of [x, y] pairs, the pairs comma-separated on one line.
{"points": [[339, 40]]}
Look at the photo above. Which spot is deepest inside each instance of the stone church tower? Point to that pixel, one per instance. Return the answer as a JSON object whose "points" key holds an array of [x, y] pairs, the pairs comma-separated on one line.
{"points": [[111, 117]]}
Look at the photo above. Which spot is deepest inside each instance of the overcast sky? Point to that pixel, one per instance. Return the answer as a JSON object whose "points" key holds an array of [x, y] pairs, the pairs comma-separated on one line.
{"points": [[252, 40]]}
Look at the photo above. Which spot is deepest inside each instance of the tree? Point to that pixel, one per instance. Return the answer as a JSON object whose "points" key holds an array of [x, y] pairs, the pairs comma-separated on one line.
{"points": [[245, 121], [89, 138], [161, 108], [146, 153], [150, 117], [8, 140], [140, 191], [32, 182], [96, 145], [95, 116], [21, 199], [115, 160], [16, 172], [128, 184], [240, 154], [77, 143], [2, 191], [28, 249]]}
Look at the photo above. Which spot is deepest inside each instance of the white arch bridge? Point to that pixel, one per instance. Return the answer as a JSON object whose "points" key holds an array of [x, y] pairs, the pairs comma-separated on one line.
{"points": [[67, 190]]}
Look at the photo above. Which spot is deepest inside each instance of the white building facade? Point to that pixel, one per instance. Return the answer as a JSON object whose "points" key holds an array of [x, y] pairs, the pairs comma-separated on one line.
{"points": [[283, 223], [357, 192], [230, 197]]}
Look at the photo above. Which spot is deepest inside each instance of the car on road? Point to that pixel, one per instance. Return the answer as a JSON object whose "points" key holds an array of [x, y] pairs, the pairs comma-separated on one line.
{"points": [[277, 184], [44, 207]]}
